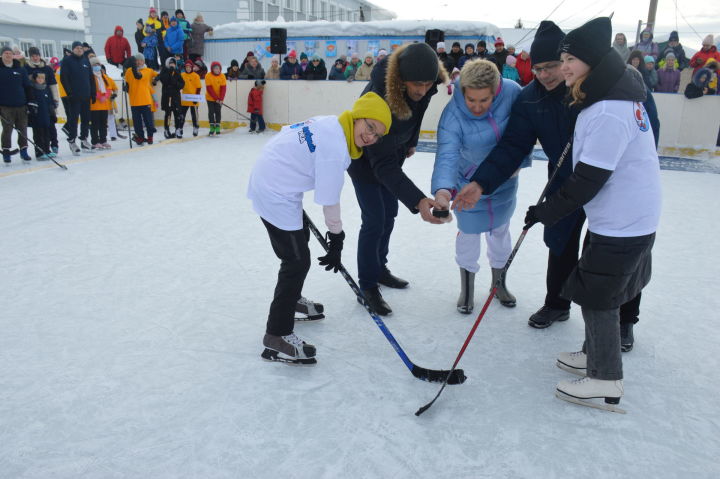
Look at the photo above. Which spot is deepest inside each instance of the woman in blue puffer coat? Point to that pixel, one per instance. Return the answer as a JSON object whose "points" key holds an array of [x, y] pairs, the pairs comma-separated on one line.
{"points": [[470, 126]]}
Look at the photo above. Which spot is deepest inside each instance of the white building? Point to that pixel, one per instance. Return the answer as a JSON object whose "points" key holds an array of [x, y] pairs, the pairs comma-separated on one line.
{"points": [[49, 29], [102, 16]]}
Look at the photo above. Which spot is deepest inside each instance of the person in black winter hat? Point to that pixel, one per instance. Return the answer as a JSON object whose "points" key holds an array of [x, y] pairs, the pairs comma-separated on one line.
{"points": [[407, 79], [233, 71], [455, 52], [612, 139]]}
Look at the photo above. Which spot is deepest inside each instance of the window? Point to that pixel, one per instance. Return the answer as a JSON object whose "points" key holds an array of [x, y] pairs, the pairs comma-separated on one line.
{"points": [[323, 10], [167, 5], [258, 10], [289, 4], [5, 42], [25, 46], [47, 48], [64, 46], [332, 13]]}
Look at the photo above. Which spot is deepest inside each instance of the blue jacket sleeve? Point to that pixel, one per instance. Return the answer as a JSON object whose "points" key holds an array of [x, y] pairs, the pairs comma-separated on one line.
{"points": [[652, 112], [507, 156], [449, 141]]}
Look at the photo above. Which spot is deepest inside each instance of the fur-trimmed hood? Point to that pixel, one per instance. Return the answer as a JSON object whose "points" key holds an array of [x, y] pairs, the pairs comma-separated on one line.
{"points": [[395, 89]]}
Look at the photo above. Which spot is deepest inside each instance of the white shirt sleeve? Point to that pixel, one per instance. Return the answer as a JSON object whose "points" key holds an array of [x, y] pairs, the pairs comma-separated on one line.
{"points": [[332, 218]]}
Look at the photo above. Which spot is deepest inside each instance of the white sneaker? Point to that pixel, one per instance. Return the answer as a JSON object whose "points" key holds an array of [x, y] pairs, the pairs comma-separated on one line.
{"points": [[575, 363], [580, 391]]}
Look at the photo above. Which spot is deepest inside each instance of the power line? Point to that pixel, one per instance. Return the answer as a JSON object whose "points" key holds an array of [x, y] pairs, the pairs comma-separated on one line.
{"points": [[677, 10]]}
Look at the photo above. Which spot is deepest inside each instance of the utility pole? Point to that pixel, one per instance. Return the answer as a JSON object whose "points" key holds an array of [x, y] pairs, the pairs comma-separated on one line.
{"points": [[651, 15]]}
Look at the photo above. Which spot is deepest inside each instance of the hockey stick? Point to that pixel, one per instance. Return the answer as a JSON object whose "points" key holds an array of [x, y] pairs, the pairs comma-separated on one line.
{"points": [[127, 111], [233, 109], [499, 280], [33, 144], [456, 376]]}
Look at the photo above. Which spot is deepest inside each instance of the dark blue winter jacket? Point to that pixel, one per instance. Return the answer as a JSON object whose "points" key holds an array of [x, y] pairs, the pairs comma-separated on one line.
{"points": [[287, 70], [150, 47], [77, 78], [42, 117], [14, 85]]}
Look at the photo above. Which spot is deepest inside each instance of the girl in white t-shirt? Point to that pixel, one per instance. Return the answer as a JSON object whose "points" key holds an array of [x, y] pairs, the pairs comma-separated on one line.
{"points": [[616, 180], [312, 155]]}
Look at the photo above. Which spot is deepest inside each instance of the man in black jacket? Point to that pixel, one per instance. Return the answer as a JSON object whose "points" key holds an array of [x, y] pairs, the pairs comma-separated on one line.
{"points": [[77, 79], [407, 79], [14, 96], [540, 113]]}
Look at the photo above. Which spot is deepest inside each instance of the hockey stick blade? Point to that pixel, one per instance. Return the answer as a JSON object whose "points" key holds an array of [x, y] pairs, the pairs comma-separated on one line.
{"points": [[456, 376]]}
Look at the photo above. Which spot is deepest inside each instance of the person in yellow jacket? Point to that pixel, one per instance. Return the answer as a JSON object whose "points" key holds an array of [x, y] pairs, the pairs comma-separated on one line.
{"points": [[215, 86], [138, 80], [193, 85], [100, 105]]}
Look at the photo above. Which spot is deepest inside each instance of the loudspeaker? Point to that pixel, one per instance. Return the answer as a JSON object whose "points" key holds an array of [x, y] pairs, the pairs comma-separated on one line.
{"points": [[432, 37], [278, 40]]}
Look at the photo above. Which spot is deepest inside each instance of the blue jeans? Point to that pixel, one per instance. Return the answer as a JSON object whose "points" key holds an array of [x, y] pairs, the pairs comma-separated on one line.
{"points": [[143, 115], [257, 118], [379, 208]]}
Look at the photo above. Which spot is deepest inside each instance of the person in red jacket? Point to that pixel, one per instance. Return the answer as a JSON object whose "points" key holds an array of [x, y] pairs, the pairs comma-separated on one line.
{"points": [[117, 48], [255, 108], [708, 51], [524, 67]]}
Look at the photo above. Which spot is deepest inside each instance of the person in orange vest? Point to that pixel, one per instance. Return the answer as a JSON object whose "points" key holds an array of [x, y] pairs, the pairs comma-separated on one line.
{"points": [[215, 86], [104, 86], [138, 79], [193, 85]]}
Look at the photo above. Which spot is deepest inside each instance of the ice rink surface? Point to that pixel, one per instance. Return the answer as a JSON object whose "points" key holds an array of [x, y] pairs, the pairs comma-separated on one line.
{"points": [[136, 287]]}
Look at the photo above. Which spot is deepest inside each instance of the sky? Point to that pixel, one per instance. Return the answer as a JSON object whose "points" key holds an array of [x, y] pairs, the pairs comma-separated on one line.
{"points": [[703, 16]]}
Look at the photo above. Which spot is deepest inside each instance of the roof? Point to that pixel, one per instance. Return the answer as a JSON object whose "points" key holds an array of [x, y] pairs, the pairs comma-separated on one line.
{"points": [[30, 15], [385, 28]]}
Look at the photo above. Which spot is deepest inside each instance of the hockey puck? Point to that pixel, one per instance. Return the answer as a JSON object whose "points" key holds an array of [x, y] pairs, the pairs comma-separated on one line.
{"points": [[440, 213]]}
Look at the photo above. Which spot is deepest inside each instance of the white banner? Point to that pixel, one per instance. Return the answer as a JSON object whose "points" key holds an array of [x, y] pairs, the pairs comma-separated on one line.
{"points": [[191, 97]]}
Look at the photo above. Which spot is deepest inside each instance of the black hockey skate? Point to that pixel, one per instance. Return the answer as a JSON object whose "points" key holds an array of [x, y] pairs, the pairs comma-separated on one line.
{"points": [[306, 310], [288, 349]]}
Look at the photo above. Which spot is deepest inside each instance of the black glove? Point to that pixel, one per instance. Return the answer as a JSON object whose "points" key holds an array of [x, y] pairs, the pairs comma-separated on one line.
{"points": [[113, 96], [531, 217], [32, 108], [126, 87], [335, 245]]}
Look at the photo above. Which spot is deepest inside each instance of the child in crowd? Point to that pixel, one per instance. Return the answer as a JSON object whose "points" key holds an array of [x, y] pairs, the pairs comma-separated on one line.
{"points": [[668, 75], [649, 74], [509, 70], [200, 68], [149, 45], [104, 87], [172, 85], [112, 130], [138, 78], [255, 106], [191, 85], [215, 86], [233, 73], [312, 155], [273, 72], [42, 110]]}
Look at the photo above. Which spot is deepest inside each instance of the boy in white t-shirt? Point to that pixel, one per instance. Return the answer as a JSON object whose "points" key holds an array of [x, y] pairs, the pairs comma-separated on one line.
{"points": [[312, 155]]}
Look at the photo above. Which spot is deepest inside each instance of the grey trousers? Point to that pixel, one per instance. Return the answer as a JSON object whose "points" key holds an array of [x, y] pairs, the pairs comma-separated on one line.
{"points": [[14, 116], [602, 343]]}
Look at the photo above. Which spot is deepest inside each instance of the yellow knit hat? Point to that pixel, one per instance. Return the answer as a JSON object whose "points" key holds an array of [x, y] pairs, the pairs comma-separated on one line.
{"points": [[371, 105]]}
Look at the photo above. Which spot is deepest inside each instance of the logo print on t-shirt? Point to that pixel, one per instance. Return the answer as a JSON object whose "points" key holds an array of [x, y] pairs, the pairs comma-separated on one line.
{"points": [[305, 136], [641, 117]]}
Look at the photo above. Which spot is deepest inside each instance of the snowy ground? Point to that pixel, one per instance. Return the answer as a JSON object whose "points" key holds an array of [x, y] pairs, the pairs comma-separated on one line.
{"points": [[136, 287]]}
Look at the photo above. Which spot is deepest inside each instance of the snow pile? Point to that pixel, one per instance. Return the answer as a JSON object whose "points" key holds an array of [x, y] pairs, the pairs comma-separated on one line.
{"points": [[386, 28], [30, 15]]}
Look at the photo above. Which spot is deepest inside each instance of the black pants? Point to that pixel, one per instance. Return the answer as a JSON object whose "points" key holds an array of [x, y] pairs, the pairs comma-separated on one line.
{"points": [[560, 267], [142, 115], [77, 108], [214, 112], [98, 126], [292, 249], [257, 118], [41, 138], [193, 113]]}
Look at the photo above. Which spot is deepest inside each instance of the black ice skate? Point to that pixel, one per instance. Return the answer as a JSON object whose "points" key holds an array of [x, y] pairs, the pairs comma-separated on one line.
{"points": [[545, 316], [306, 310], [74, 148], [288, 349]]}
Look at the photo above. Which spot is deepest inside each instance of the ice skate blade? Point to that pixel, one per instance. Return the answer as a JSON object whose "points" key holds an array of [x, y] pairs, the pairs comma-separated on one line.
{"points": [[308, 317], [273, 356], [465, 309], [579, 372], [583, 402]]}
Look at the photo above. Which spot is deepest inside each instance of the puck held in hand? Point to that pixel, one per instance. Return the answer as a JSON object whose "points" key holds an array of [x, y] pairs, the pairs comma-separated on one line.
{"points": [[440, 213]]}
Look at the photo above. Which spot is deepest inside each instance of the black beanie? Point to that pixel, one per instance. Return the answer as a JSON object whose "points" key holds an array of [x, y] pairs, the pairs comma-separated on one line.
{"points": [[179, 10], [418, 62], [456, 44], [469, 45], [482, 43], [234, 63], [544, 47], [674, 36], [76, 44], [33, 51], [590, 42]]}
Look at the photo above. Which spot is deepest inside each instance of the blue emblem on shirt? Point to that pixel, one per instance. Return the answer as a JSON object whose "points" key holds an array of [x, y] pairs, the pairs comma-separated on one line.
{"points": [[305, 136]]}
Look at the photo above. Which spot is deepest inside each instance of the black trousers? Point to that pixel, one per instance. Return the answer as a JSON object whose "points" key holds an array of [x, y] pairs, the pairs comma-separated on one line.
{"points": [[214, 112], [41, 138], [77, 108], [98, 126], [193, 113], [292, 249], [560, 267], [257, 119]]}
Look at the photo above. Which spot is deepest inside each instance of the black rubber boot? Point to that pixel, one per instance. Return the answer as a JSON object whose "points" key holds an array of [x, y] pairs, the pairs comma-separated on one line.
{"points": [[391, 281], [376, 301]]}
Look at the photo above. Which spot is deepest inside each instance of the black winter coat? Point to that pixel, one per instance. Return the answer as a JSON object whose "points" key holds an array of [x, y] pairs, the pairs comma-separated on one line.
{"points": [[77, 77], [42, 117], [14, 85], [316, 72], [382, 162]]}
